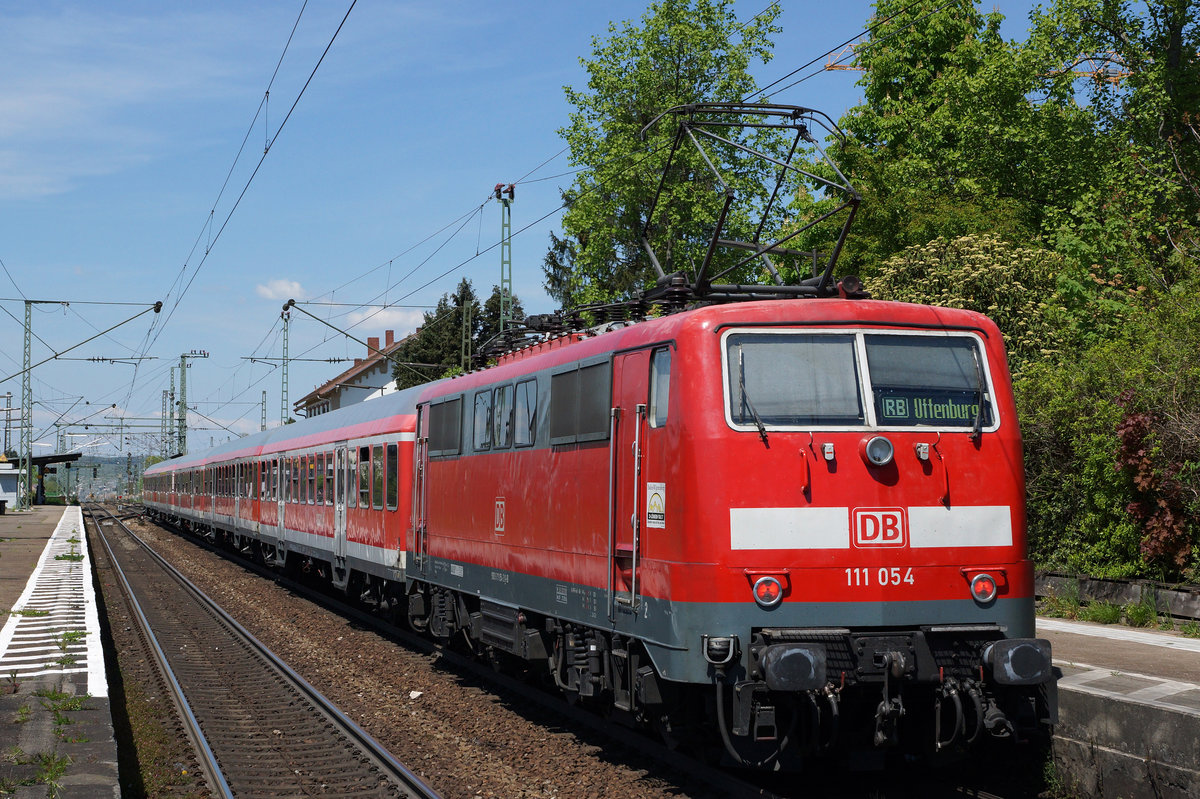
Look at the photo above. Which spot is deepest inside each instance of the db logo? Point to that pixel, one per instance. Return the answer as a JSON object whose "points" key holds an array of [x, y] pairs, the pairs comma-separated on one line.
{"points": [[879, 527], [500, 514]]}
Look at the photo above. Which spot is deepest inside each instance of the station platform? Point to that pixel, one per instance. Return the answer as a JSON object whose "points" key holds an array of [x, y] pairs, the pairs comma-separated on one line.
{"points": [[1129, 709], [55, 719]]}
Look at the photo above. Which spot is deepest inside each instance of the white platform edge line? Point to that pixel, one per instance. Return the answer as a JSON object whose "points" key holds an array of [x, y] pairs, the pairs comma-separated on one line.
{"points": [[97, 678]]}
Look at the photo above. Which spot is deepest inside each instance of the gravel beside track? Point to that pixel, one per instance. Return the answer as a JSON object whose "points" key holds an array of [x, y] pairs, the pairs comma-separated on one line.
{"points": [[458, 735]]}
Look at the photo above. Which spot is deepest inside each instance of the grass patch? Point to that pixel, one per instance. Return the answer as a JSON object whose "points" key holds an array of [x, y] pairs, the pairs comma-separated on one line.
{"points": [[1101, 612], [71, 556], [1064, 604], [1190, 629], [1142, 613]]}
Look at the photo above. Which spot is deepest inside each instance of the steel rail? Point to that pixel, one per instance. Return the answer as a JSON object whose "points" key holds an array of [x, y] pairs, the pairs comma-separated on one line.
{"points": [[208, 761], [376, 752]]}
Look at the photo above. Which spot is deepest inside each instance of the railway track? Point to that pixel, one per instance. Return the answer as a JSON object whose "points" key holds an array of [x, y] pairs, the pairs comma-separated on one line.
{"points": [[258, 728]]}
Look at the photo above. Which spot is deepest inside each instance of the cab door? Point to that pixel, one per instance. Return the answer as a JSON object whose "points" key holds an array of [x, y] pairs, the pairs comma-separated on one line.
{"points": [[627, 480]]}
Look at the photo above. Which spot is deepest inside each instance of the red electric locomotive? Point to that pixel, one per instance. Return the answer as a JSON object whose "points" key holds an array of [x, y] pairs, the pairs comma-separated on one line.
{"points": [[800, 522]]}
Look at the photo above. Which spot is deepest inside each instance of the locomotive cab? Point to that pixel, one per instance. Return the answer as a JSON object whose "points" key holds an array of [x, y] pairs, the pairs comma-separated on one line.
{"points": [[862, 491]]}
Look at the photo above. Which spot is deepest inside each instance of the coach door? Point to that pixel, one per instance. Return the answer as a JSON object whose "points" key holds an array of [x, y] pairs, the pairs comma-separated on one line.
{"points": [[627, 482], [281, 496], [417, 539], [339, 504]]}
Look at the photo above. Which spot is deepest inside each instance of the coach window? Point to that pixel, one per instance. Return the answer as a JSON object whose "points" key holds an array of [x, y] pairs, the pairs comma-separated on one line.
{"points": [[329, 478], [393, 457], [483, 421], [502, 407], [351, 460], [377, 476], [319, 497], [286, 479], [364, 477], [525, 414], [302, 494], [312, 479], [660, 386]]}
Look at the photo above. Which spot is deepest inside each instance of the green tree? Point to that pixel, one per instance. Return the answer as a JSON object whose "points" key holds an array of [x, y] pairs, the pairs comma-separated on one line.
{"points": [[684, 51], [490, 321], [1014, 286], [436, 348]]}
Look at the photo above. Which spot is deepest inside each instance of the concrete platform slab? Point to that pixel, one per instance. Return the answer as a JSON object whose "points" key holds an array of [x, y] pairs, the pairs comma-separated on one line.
{"points": [[55, 718]]}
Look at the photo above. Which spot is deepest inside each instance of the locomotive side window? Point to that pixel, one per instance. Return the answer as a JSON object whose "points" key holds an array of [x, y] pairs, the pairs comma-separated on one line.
{"points": [[502, 413], [364, 477], [525, 414], [579, 404], [660, 386], [793, 379], [445, 426], [927, 380], [377, 477], [392, 481], [482, 437]]}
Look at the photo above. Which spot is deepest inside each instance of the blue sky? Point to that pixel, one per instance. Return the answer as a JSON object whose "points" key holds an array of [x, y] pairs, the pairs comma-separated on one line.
{"points": [[119, 122]]}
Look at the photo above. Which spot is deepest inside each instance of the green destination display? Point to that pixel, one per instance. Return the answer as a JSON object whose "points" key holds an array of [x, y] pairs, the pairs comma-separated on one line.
{"points": [[938, 408]]}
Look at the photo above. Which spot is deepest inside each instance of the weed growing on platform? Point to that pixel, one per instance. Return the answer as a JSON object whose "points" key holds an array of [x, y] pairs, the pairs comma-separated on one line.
{"points": [[1102, 612], [1063, 605], [65, 639], [51, 768], [11, 683], [24, 714], [31, 614], [1190, 629], [1142, 613]]}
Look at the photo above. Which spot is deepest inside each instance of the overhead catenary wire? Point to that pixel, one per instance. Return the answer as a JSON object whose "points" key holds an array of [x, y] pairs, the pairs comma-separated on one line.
{"points": [[155, 331]]}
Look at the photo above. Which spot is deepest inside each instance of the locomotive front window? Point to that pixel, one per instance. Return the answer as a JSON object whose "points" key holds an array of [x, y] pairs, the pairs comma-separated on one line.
{"points": [[927, 380], [793, 379]]}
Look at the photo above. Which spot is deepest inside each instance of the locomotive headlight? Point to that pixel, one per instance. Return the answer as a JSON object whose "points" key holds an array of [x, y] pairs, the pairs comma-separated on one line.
{"points": [[768, 592], [878, 451], [983, 588]]}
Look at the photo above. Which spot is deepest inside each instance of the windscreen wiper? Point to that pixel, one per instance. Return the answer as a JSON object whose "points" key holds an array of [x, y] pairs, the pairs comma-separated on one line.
{"points": [[977, 427], [746, 403]]}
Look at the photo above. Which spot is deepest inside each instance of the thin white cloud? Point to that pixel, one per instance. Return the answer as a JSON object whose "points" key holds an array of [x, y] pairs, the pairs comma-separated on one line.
{"points": [[281, 289], [92, 93]]}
